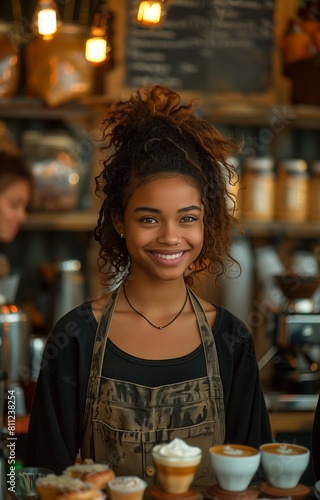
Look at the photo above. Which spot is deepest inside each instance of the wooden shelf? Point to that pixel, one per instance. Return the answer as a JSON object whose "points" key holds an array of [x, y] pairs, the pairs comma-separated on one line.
{"points": [[308, 229], [33, 109], [275, 116], [61, 221]]}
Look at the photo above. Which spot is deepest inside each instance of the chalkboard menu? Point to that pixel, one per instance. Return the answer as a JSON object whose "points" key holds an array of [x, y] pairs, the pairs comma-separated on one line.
{"points": [[204, 45]]}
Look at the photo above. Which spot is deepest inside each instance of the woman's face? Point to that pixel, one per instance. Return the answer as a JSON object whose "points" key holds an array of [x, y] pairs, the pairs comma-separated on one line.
{"points": [[13, 203], [163, 227]]}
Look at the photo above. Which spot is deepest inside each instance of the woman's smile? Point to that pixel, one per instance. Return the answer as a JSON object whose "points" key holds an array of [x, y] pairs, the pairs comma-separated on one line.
{"points": [[168, 258]]}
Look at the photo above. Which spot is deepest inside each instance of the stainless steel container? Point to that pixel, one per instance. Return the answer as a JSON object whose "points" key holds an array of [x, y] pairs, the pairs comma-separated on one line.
{"points": [[14, 342]]}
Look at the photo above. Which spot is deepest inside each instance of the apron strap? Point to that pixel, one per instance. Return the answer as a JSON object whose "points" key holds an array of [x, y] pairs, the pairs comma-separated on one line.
{"points": [[101, 337], [210, 351]]}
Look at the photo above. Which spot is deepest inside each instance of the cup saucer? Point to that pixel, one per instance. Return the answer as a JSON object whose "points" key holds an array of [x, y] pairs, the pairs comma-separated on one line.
{"points": [[298, 492]]}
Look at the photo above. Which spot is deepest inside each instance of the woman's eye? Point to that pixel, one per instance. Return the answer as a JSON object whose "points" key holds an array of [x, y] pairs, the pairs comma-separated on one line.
{"points": [[188, 218], [148, 220]]}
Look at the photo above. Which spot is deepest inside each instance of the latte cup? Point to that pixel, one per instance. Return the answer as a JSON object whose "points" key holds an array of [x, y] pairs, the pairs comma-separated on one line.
{"points": [[234, 465], [176, 464], [284, 463]]}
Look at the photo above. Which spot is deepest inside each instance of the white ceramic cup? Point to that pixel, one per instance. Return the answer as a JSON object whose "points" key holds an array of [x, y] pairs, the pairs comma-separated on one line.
{"points": [[284, 463], [234, 465]]}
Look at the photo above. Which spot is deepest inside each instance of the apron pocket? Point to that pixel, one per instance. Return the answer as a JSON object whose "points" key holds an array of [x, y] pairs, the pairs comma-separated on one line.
{"points": [[129, 452]]}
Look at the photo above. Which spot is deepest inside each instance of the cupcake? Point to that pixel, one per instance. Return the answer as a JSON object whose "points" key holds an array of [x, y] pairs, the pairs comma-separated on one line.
{"points": [[54, 487], [97, 475], [126, 488]]}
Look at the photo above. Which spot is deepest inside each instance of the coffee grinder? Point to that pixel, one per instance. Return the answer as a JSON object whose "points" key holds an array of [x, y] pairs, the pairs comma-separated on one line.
{"points": [[296, 365]]}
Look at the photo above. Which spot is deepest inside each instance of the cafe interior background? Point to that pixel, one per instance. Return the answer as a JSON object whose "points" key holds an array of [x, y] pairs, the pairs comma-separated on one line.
{"points": [[255, 66]]}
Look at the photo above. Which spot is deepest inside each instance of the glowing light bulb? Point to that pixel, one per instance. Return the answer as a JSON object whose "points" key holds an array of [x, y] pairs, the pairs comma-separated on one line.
{"points": [[47, 22], [96, 49], [149, 12]]}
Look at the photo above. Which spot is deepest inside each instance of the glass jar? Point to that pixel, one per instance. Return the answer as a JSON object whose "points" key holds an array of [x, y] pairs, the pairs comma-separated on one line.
{"points": [[292, 190], [57, 170], [257, 196], [9, 61], [57, 70], [314, 191]]}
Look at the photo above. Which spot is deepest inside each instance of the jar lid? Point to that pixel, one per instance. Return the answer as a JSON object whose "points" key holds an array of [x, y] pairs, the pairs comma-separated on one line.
{"points": [[263, 164], [294, 165], [54, 139]]}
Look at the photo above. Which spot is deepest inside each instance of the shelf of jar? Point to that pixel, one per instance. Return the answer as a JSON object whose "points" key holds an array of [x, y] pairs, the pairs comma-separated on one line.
{"points": [[86, 221]]}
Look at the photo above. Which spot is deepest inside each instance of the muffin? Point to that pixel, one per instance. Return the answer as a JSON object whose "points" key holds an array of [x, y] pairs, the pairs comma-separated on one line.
{"points": [[97, 475], [54, 487], [126, 488]]}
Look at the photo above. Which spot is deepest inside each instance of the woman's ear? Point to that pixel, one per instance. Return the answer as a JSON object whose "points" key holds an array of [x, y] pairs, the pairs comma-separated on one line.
{"points": [[118, 223]]}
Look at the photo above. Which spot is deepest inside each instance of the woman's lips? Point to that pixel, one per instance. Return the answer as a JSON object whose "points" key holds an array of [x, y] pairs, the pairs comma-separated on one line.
{"points": [[168, 258]]}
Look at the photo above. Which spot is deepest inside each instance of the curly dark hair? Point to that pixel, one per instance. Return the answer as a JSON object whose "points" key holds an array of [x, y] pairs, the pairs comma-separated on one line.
{"points": [[153, 133]]}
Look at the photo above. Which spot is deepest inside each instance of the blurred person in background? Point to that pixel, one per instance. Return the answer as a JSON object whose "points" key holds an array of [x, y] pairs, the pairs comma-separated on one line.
{"points": [[15, 191]]}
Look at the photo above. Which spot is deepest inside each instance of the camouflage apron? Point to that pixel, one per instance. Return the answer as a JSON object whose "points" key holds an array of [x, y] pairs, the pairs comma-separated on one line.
{"points": [[123, 421]]}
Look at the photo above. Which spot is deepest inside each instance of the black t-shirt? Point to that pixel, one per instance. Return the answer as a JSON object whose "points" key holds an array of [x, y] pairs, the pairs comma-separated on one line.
{"points": [[119, 365], [56, 420]]}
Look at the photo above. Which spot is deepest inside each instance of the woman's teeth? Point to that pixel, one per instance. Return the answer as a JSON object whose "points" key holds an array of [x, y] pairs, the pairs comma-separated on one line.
{"points": [[168, 257]]}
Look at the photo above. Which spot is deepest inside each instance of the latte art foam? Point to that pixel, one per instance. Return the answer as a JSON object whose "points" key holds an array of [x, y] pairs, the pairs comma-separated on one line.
{"points": [[228, 450], [234, 450]]}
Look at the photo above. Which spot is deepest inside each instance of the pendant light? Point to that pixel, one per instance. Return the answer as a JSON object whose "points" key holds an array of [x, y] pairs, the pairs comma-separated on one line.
{"points": [[151, 12], [97, 47], [46, 18]]}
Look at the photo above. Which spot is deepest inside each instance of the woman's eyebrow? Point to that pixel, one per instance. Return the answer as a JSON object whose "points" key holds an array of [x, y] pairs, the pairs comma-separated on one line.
{"points": [[147, 209], [188, 209], [157, 211]]}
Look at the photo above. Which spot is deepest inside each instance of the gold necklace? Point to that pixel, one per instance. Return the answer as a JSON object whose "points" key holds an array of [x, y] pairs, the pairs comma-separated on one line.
{"points": [[150, 323]]}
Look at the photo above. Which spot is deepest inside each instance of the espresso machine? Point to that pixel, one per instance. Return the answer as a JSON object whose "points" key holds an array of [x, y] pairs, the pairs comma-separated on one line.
{"points": [[296, 335]]}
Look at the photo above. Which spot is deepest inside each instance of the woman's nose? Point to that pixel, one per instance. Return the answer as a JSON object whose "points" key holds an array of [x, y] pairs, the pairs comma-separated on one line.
{"points": [[169, 235]]}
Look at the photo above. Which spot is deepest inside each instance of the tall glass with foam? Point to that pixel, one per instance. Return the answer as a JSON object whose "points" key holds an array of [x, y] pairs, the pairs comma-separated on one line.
{"points": [[176, 464]]}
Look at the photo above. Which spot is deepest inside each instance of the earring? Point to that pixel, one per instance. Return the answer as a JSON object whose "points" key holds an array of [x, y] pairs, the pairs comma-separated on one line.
{"points": [[121, 235]]}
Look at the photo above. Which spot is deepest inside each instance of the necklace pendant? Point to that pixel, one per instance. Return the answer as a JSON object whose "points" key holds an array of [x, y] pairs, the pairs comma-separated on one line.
{"points": [[160, 327]]}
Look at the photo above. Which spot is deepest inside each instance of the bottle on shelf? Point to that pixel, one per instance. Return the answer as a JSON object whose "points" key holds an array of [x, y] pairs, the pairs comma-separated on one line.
{"points": [[257, 196], [314, 191], [292, 190]]}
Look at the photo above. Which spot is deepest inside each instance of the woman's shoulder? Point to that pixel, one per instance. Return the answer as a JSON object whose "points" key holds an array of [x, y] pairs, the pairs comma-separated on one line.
{"points": [[224, 320], [75, 323], [234, 340]]}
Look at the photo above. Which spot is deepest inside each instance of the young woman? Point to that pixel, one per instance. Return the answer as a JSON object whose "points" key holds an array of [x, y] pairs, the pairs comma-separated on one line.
{"points": [[152, 361], [15, 192]]}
